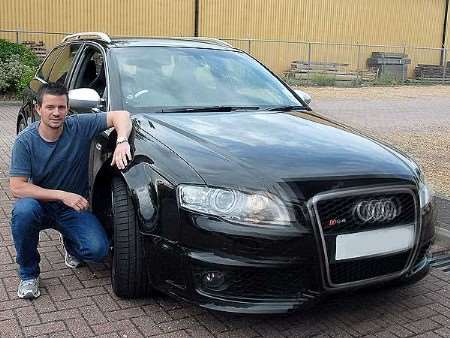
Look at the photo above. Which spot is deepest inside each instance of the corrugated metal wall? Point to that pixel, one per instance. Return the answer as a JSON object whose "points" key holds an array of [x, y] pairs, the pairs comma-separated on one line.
{"points": [[116, 17], [387, 22], [410, 22]]}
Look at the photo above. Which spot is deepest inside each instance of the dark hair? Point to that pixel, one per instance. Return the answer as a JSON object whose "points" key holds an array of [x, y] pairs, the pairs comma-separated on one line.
{"points": [[51, 89]]}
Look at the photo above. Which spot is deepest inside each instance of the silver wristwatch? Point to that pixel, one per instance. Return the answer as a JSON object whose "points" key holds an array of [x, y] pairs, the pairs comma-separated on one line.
{"points": [[121, 140]]}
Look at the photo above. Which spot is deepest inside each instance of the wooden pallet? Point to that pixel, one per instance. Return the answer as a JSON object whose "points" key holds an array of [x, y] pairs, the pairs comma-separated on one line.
{"points": [[302, 70], [423, 71], [37, 47]]}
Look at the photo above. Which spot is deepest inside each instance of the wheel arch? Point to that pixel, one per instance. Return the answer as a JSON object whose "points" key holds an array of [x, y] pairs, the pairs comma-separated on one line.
{"points": [[140, 179]]}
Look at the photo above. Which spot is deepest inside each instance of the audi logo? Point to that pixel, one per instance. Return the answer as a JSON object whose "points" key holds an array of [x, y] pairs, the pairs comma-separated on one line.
{"points": [[371, 211]]}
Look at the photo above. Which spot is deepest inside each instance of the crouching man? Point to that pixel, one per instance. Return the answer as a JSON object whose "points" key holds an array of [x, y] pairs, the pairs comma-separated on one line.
{"points": [[49, 176]]}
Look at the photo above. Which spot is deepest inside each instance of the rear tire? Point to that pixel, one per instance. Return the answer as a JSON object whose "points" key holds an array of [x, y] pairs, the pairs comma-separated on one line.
{"points": [[128, 275], [21, 125]]}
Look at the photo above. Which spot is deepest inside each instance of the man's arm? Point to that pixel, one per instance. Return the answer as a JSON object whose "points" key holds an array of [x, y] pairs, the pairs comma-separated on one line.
{"points": [[20, 188], [121, 122]]}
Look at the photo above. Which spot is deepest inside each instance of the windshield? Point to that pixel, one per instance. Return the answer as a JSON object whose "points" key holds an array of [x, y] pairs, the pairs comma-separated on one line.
{"points": [[167, 78]]}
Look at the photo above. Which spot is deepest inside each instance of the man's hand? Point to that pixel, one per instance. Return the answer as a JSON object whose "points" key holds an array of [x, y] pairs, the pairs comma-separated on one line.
{"points": [[121, 122], [122, 155], [77, 202]]}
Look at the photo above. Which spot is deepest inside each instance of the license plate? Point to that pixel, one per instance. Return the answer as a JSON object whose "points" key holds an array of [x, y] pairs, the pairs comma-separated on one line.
{"points": [[374, 242]]}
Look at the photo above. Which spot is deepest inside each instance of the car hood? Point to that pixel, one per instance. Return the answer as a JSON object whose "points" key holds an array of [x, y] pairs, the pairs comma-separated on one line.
{"points": [[251, 149]]}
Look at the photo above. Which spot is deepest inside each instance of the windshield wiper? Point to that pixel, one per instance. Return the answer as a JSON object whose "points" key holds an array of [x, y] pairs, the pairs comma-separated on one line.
{"points": [[285, 108], [207, 109]]}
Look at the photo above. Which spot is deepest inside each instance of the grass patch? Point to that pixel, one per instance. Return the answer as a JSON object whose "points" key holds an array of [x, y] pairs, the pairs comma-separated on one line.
{"points": [[323, 80]]}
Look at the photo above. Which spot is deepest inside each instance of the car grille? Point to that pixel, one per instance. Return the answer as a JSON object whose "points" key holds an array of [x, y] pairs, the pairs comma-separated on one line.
{"points": [[345, 272], [342, 208], [337, 216]]}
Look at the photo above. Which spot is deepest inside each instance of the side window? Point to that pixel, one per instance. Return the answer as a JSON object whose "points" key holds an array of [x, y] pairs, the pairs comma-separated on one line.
{"points": [[63, 63], [46, 67], [92, 72]]}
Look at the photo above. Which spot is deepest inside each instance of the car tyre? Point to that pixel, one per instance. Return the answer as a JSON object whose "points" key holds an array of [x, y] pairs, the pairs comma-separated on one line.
{"points": [[128, 275], [22, 124]]}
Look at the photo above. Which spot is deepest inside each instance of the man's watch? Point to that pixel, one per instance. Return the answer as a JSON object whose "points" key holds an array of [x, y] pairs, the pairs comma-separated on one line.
{"points": [[121, 140]]}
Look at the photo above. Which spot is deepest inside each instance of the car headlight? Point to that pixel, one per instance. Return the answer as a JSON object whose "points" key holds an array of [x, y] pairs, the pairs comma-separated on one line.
{"points": [[425, 195], [234, 205]]}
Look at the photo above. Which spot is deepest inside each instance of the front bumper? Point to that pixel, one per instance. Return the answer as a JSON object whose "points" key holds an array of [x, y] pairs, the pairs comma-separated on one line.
{"points": [[223, 267], [252, 286]]}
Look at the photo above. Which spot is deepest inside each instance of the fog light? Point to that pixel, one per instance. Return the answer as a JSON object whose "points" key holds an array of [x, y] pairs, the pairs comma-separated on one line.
{"points": [[214, 280]]}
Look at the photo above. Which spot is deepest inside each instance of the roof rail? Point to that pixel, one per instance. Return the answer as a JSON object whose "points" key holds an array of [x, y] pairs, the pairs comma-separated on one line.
{"points": [[214, 41], [88, 35]]}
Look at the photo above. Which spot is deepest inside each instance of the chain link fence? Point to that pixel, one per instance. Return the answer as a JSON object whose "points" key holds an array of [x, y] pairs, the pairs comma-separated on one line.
{"points": [[319, 63]]}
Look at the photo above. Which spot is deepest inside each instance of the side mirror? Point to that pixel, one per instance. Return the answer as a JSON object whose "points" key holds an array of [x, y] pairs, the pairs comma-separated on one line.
{"points": [[304, 96], [83, 99]]}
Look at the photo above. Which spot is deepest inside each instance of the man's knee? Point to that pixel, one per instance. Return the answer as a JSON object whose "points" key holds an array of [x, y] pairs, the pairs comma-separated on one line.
{"points": [[26, 212], [97, 250]]}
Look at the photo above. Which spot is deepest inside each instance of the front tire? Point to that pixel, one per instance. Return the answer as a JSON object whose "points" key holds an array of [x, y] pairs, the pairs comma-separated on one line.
{"points": [[128, 275]]}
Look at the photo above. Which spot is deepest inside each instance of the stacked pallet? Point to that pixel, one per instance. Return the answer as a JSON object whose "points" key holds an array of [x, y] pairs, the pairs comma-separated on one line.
{"points": [[303, 70], [394, 65], [37, 47], [432, 72]]}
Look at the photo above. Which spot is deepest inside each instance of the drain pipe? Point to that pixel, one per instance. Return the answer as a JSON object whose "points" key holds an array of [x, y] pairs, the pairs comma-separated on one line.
{"points": [[444, 35]]}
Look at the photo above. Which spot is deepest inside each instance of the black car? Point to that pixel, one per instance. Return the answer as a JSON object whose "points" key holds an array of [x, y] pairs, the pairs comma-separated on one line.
{"points": [[239, 198]]}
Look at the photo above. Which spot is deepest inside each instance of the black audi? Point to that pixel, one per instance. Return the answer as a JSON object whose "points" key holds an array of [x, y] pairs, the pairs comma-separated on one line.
{"points": [[239, 198]]}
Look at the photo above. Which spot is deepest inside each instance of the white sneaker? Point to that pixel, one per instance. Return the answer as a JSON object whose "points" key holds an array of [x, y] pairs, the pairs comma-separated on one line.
{"points": [[70, 261], [29, 289]]}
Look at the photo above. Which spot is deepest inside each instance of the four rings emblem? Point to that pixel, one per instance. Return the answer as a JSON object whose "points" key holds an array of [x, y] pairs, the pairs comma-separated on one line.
{"points": [[382, 210]]}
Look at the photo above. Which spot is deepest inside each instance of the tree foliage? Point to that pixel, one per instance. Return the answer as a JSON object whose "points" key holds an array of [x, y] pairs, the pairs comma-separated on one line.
{"points": [[18, 64]]}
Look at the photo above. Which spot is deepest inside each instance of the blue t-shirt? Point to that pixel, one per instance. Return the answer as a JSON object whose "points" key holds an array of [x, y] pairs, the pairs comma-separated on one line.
{"points": [[60, 165]]}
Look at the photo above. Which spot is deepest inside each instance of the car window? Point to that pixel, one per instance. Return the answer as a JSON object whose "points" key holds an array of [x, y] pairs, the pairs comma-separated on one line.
{"points": [[91, 73], [46, 67], [193, 77], [63, 63]]}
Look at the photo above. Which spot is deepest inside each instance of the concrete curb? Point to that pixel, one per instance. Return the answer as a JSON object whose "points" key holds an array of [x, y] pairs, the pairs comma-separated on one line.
{"points": [[442, 204]]}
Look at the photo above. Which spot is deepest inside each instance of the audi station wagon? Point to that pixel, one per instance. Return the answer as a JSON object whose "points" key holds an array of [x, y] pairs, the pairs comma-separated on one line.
{"points": [[239, 197]]}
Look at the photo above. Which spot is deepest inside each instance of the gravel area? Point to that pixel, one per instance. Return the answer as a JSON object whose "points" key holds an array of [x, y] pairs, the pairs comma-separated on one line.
{"points": [[415, 119]]}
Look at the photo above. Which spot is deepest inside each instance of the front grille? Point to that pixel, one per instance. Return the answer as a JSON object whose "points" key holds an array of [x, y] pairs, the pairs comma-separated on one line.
{"points": [[338, 215], [344, 272], [261, 283]]}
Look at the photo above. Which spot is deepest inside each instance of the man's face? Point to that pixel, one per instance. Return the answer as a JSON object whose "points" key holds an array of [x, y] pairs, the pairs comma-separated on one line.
{"points": [[53, 110]]}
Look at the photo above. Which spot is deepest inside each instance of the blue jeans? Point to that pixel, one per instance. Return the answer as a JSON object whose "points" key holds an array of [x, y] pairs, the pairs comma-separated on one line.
{"points": [[84, 236]]}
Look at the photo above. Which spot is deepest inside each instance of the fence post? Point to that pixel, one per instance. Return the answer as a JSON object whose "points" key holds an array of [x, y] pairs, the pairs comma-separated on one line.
{"points": [[249, 46], [444, 72], [309, 53], [359, 58], [17, 36], [404, 65]]}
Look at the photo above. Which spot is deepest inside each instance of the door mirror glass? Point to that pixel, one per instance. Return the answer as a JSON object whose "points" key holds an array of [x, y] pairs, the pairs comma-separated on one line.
{"points": [[83, 100], [304, 96]]}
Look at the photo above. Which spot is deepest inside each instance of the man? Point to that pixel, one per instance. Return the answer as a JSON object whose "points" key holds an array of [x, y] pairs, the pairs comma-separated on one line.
{"points": [[49, 175]]}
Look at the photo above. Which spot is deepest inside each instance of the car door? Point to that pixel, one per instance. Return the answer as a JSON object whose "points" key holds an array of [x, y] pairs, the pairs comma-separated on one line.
{"points": [[64, 64], [91, 72]]}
